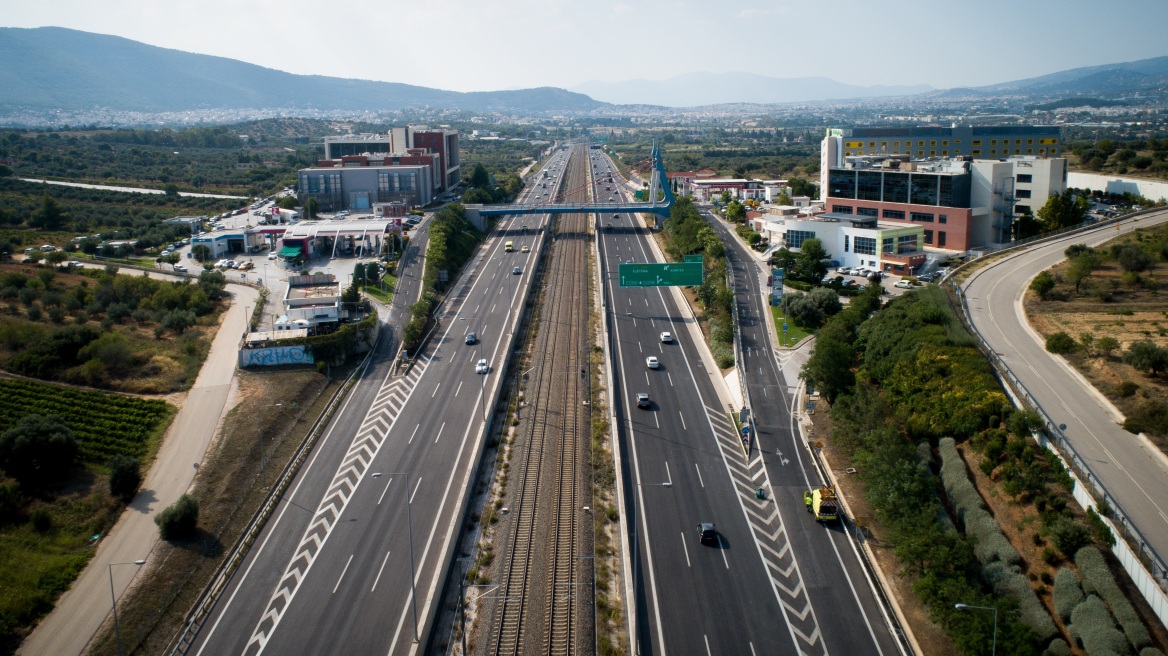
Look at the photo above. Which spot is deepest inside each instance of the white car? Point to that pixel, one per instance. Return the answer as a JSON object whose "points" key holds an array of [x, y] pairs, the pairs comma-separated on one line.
{"points": [[181, 268], [221, 264], [652, 362], [273, 255], [666, 337], [903, 284], [481, 367]]}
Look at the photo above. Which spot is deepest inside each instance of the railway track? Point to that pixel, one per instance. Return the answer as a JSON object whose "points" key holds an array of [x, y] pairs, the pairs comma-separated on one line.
{"points": [[538, 605]]}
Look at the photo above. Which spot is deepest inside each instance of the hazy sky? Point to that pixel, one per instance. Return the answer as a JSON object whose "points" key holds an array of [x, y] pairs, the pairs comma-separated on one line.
{"points": [[469, 45]]}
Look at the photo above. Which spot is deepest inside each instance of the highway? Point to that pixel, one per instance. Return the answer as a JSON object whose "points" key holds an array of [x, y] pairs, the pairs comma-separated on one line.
{"points": [[376, 509], [770, 584], [1131, 468]]}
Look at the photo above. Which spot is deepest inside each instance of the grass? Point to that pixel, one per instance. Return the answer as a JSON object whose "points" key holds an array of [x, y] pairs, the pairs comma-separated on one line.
{"points": [[386, 295], [793, 330]]}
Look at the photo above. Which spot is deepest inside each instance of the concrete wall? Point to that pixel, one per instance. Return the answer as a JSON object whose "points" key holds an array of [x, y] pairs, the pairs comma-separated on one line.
{"points": [[274, 356], [1118, 185]]}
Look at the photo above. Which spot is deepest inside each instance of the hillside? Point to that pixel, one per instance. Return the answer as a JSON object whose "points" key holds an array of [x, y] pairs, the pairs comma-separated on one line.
{"points": [[58, 68]]}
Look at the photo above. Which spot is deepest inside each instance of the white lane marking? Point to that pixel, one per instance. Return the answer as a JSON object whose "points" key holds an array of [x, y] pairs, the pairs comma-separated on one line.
{"points": [[752, 649], [680, 414], [436, 440], [657, 419], [342, 576], [639, 348], [646, 377], [379, 571], [707, 639], [416, 487], [723, 550], [436, 388], [459, 388], [494, 304], [411, 441], [668, 476], [699, 471], [384, 491], [685, 548], [670, 379]]}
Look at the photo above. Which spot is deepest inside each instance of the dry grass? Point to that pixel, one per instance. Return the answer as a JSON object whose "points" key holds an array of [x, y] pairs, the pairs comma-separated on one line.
{"points": [[229, 492]]}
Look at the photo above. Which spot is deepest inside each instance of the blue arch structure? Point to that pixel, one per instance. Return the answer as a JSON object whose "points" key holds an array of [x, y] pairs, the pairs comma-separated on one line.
{"points": [[658, 182]]}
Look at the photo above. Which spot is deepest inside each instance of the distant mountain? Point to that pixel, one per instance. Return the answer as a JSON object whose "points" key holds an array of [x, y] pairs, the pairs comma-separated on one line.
{"points": [[697, 89], [58, 68], [1125, 77]]}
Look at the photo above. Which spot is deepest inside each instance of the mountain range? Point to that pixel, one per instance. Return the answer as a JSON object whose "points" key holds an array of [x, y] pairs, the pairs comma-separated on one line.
{"points": [[54, 68]]}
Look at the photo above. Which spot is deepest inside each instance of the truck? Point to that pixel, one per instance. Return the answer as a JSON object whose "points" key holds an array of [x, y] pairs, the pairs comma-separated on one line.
{"points": [[822, 503]]}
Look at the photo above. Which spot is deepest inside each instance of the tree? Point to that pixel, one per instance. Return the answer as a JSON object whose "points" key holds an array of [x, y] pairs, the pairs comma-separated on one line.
{"points": [[830, 364], [1132, 257], [735, 212], [37, 450], [809, 263], [1025, 225], [213, 283], [180, 520], [202, 253], [125, 477], [49, 216], [1063, 211], [171, 190], [1107, 345], [1042, 284], [477, 196], [726, 197], [311, 207], [802, 187], [56, 257], [1061, 342], [1147, 356], [479, 178], [287, 203], [1081, 267]]}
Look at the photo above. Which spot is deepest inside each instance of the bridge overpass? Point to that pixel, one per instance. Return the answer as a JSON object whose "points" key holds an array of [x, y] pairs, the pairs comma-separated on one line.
{"points": [[658, 186]]}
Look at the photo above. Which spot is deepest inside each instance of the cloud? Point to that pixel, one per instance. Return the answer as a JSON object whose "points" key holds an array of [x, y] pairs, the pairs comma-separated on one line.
{"points": [[621, 9]]}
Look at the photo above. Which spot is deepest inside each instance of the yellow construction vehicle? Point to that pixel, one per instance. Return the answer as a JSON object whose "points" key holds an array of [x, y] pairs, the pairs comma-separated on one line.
{"points": [[822, 503]]}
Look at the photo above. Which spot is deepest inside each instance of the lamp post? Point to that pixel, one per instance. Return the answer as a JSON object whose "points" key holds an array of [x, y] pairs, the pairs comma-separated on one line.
{"points": [[636, 566], [994, 644], [410, 526], [114, 602], [263, 466]]}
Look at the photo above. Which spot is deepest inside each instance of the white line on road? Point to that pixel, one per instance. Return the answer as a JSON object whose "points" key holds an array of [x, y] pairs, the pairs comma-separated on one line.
{"points": [[416, 488], [436, 390], [707, 639], [723, 550], [685, 549], [668, 476], [414, 433], [438, 435], [679, 414], [384, 491], [657, 419], [459, 388], [699, 471], [342, 576], [379, 571], [647, 378], [670, 379], [493, 306]]}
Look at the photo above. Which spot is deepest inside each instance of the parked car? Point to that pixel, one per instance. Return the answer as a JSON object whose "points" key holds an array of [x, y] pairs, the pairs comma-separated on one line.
{"points": [[181, 268], [273, 255], [903, 284]]}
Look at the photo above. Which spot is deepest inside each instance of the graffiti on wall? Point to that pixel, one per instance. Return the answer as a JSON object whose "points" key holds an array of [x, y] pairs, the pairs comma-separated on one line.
{"points": [[275, 355]]}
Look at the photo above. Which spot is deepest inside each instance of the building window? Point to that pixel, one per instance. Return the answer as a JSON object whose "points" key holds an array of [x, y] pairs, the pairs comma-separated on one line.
{"points": [[945, 142], [841, 183], [847, 242], [1029, 142], [868, 185], [896, 144], [1022, 193], [1017, 151], [1021, 209], [993, 142], [944, 153], [943, 219], [871, 144], [887, 245], [921, 217], [933, 143], [940, 240], [923, 189], [795, 238], [1029, 151], [894, 214], [895, 187], [920, 144], [1017, 142], [920, 153], [865, 245], [932, 153], [928, 236], [993, 151], [977, 142], [841, 209], [906, 243], [976, 152], [867, 211], [884, 145]]}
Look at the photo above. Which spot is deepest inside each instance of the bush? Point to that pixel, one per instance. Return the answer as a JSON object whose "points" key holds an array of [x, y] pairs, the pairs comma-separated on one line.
{"points": [[1147, 356], [41, 520], [1099, 529], [180, 520], [125, 477], [1042, 284], [1061, 343], [1097, 576], [1091, 624], [1067, 593], [38, 450], [1057, 647], [1126, 389], [1069, 536]]}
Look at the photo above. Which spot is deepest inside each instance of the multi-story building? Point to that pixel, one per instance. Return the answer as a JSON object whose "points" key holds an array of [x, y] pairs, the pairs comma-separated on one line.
{"points": [[444, 142], [359, 187], [988, 141]]}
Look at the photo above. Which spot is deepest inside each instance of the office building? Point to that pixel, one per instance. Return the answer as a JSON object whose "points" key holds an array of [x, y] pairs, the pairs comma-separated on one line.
{"points": [[359, 187]]}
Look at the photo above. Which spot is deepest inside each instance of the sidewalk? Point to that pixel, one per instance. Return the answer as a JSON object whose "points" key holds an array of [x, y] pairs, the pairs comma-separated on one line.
{"points": [[80, 612]]}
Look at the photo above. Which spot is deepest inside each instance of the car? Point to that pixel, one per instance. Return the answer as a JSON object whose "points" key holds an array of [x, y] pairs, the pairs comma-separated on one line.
{"points": [[849, 283], [232, 264], [707, 532], [925, 277], [48, 248], [666, 337], [181, 268], [471, 338], [273, 255], [29, 260], [516, 270], [844, 270], [72, 264], [481, 366], [246, 266], [904, 283], [29, 251], [616, 216], [652, 362], [525, 249], [642, 400], [186, 242]]}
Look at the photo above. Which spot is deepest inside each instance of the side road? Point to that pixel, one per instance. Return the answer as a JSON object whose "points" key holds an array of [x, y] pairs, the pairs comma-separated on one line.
{"points": [[80, 612]]}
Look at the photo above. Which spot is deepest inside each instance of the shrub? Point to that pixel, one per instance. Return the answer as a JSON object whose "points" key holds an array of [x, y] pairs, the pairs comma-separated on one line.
{"points": [[180, 520], [1069, 536], [1126, 389], [38, 449], [1091, 624], [1099, 529], [125, 477], [1097, 576], [1147, 356], [41, 520], [1042, 284], [1067, 593], [1061, 342], [1057, 647]]}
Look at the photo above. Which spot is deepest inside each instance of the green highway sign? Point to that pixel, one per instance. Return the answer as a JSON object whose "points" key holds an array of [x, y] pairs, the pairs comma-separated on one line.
{"points": [[673, 274]]}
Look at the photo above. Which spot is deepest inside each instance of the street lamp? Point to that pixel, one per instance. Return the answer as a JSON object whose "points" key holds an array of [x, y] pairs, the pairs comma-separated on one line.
{"points": [[263, 466], [114, 601], [636, 565], [994, 644], [410, 526]]}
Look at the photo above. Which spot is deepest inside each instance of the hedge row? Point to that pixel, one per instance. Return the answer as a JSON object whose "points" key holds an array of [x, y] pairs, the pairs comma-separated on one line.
{"points": [[1091, 625], [1097, 579], [1067, 593], [999, 559]]}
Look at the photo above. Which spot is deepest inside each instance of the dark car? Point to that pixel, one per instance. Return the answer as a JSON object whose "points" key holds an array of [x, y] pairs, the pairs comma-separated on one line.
{"points": [[470, 338], [707, 533]]}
